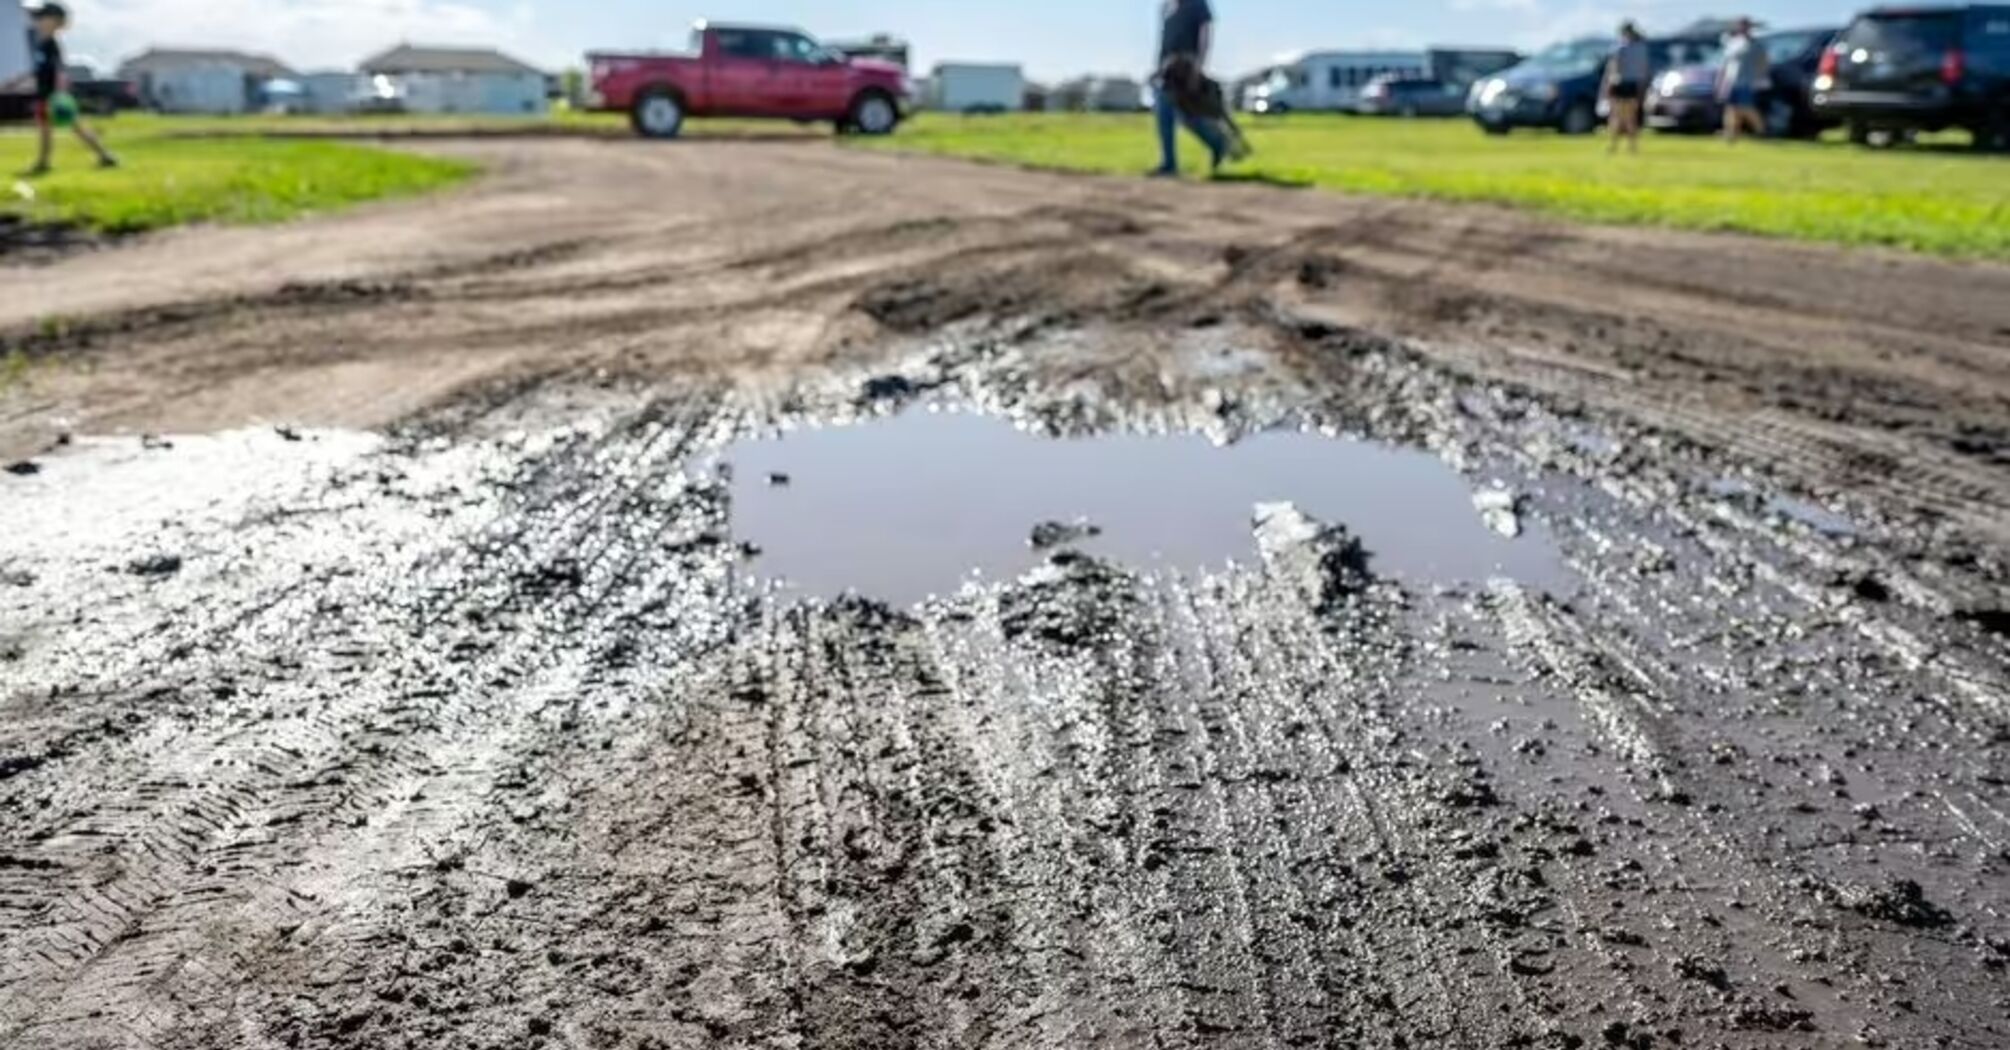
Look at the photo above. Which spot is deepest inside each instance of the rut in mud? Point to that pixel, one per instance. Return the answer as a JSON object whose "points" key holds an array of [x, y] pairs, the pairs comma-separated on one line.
{"points": [[493, 727]]}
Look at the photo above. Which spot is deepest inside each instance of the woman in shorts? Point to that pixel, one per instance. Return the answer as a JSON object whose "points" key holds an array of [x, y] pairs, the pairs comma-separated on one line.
{"points": [[1625, 87]]}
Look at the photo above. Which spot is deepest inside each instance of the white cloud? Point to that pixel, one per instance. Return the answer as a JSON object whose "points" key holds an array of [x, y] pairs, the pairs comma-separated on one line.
{"points": [[307, 34]]}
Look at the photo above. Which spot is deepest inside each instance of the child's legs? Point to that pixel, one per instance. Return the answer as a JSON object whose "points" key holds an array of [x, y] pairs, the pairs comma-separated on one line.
{"points": [[45, 135], [90, 139]]}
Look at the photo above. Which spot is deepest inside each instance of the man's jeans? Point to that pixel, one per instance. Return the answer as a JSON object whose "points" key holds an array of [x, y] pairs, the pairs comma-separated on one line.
{"points": [[1169, 121]]}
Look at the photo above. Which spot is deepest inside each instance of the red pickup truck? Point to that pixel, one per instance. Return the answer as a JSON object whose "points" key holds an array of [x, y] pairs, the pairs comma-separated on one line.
{"points": [[749, 71]]}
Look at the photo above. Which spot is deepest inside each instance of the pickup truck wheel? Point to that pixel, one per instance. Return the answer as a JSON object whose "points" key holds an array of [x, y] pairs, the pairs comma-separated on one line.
{"points": [[875, 114], [658, 115]]}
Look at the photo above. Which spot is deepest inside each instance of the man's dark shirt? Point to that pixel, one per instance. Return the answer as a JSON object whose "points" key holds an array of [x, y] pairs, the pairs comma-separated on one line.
{"points": [[48, 64], [1185, 19]]}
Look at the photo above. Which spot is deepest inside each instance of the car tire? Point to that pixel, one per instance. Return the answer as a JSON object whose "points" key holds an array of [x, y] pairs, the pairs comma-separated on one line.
{"points": [[1781, 119], [1859, 133], [1498, 130], [874, 113], [1993, 138], [658, 114], [1580, 119]]}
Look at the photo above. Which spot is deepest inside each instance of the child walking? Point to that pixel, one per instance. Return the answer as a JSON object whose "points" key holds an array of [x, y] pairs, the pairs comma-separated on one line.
{"points": [[53, 104]]}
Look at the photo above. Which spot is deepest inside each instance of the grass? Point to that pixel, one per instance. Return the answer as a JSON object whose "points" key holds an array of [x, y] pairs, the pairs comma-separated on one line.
{"points": [[1937, 199], [169, 180]]}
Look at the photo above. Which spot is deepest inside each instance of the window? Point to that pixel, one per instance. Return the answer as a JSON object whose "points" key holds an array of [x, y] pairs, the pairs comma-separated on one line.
{"points": [[1902, 38], [1337, 77], [792, 48], [744, 44], [1784, 48]]}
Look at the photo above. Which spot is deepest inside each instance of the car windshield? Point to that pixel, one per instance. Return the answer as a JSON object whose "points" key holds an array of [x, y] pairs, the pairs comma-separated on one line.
{"points": [[1899, 37], [1673, 54], [1576, 58]]}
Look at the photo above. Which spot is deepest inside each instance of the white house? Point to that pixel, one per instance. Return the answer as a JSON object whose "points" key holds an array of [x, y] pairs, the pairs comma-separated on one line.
{"points": [[178, 80], [970, 87], [1098, 95], [461, 80], [15, 61]]}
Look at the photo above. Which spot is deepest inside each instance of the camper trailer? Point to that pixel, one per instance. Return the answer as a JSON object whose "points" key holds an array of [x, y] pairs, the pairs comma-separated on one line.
{"points": [[1331, 81]]}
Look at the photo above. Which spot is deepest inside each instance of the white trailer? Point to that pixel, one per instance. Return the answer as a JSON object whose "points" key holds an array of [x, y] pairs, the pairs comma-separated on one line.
{"points": [[969, 87], [15, 62], [1331, 81]]}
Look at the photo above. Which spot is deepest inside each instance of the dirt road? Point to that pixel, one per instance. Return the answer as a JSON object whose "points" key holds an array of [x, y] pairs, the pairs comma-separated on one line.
{"points": [[426, 627]]}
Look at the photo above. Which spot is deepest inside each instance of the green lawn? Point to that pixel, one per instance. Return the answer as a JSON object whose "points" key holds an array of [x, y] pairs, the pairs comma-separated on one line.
{"points": [[169, 180], [1938, 199]]}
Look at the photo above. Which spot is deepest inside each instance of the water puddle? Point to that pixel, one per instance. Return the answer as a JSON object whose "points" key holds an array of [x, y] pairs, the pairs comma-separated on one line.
{"points": [[1813, 515], [914, 505]]}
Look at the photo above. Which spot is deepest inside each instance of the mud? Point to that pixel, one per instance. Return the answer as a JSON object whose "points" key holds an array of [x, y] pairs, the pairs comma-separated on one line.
{"points": [[465, 717], [28, 243]]}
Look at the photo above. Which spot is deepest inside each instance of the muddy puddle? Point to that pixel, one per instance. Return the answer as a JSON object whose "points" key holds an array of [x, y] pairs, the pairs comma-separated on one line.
{"points": [[919, 504]]}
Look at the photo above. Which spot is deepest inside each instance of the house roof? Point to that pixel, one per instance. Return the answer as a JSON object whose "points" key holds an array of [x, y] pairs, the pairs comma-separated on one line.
{"points": [[409, 58], [164, 59]]}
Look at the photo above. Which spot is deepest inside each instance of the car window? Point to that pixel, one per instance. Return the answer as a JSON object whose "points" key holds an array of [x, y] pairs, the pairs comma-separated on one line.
{"points": [[1669, 54], [1899, 37], [1783, 48], [742, 43], [1577, 58], [791, 47], [1991, 32]]}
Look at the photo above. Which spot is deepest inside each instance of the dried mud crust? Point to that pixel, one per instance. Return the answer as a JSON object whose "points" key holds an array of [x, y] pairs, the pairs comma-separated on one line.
{"points": [[474, 735], [30, 243]]}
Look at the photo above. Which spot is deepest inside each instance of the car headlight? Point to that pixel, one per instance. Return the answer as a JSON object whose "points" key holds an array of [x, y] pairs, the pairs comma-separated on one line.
{"points": [[1669, 84], [1491, 91]]}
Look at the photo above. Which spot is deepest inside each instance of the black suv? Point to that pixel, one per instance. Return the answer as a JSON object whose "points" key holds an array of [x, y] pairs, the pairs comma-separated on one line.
{"points": [[1904, 70]]}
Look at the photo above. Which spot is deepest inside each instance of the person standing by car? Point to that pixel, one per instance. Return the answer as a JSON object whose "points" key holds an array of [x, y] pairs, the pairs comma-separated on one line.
{"points": [[1186, 31], [52, 102], [1745, 68], [1626, 75]]}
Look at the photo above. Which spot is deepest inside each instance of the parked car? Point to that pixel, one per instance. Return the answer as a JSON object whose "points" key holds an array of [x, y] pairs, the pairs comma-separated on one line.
{"points": [[1906, 70], [749, 71], [1559, 88], [1400, 96], [1685, 98]]}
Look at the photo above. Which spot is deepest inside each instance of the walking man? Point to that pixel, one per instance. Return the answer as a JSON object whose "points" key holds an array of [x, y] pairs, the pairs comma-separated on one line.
{"points": [[1187, 31], [53, 104], [1745, 69]]}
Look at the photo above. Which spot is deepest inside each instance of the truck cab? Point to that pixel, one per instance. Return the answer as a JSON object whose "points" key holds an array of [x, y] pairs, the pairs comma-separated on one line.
{"points": [[749, 71]]}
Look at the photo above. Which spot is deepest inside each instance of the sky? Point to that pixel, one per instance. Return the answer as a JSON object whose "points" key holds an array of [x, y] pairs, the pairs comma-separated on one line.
{"points": [[1051, 38]]}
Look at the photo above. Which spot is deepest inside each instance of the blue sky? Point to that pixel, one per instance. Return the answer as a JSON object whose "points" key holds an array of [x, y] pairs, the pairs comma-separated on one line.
{"points": [[1051, 37]]}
